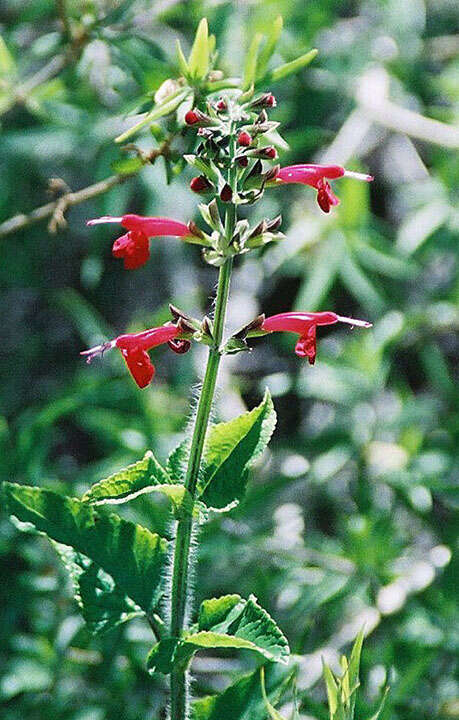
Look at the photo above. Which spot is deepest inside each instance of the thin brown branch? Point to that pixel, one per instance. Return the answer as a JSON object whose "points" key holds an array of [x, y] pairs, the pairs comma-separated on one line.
{"points": [[56, 209]]}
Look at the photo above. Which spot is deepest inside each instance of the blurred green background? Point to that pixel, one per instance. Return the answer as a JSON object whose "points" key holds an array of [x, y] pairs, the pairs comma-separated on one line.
{"points": [[351, 515]]}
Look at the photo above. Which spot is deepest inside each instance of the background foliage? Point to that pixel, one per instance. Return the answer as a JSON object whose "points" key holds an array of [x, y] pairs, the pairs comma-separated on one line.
{"points": [[351, 516]]}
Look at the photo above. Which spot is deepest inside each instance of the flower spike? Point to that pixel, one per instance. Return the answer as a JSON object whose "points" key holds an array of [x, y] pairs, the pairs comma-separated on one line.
{"points": [[305, 324], [133, 247], [317, 176], [134, 349]]}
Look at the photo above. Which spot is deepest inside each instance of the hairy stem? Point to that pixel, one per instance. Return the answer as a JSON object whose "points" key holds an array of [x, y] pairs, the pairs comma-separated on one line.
{"points": [[179, 696], [185, 526]]}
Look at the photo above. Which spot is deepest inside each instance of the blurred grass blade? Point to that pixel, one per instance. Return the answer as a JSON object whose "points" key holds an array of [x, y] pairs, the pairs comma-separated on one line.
{"points": [[272, 712], [7, 64], [360, 286]]}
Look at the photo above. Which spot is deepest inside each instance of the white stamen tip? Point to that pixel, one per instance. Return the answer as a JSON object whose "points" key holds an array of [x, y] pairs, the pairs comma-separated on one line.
{"points": [[357, 323], [97, 350], [358, 176], [104, 219]]}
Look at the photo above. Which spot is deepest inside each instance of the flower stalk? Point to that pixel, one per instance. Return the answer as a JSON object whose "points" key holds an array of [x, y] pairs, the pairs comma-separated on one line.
{"points": [[181, 564]]}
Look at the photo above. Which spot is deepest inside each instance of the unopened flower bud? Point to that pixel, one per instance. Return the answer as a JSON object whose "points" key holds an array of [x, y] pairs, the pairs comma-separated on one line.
{"points": [[191, 117], [226, 193], [242, 160], [179, 345], [265, 100], [267, 153], [244, 139], [221, 106], [200, 184], [195, 116], [169, 87]]}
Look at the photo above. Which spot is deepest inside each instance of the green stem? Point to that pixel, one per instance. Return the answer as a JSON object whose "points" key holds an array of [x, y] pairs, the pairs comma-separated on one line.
{"points": [[179, 701]]}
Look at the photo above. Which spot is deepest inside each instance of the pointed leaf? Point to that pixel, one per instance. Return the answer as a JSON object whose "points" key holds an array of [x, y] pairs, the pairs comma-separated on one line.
{"points": [[183, 65], [250, 68], [230, 450], [243, 699], [129, 482], [251, 629], [218, 613], [270, 46], [354, 666], [177, 462], [158, 111], [381, 706], [272, 712], [294, 66], [198, 62], [332, 690], [131, 554], [144, 476]]}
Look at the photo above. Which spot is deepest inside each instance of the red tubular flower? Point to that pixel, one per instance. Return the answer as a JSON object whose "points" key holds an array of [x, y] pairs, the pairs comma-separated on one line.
{"points": [[134, 350], [133, 247], [304, 324], [316, 176]]}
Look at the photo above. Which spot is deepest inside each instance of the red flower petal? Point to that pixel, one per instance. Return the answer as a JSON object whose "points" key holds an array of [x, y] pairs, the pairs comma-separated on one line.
{"points": [[306, 345], [139, 365]]}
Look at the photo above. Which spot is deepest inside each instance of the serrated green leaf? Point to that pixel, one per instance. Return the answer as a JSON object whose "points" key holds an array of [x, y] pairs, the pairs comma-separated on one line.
{"points": [[294, 66], [129, 482], [243, 699], [160, 657], [177, 462], [269, 46], [250, 68], [198, 62], [144, 476], [103, 605], [251, 628], [218, 613], [131, 554], [230, 450]]}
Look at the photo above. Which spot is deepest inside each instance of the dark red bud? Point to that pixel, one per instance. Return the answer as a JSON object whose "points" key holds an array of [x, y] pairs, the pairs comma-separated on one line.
{"points": [[242, 161], [270, 153], [179, 346], [226, 193], [200, 184], [191, 118], [270, 101], [221, 105], [244, 139]]}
